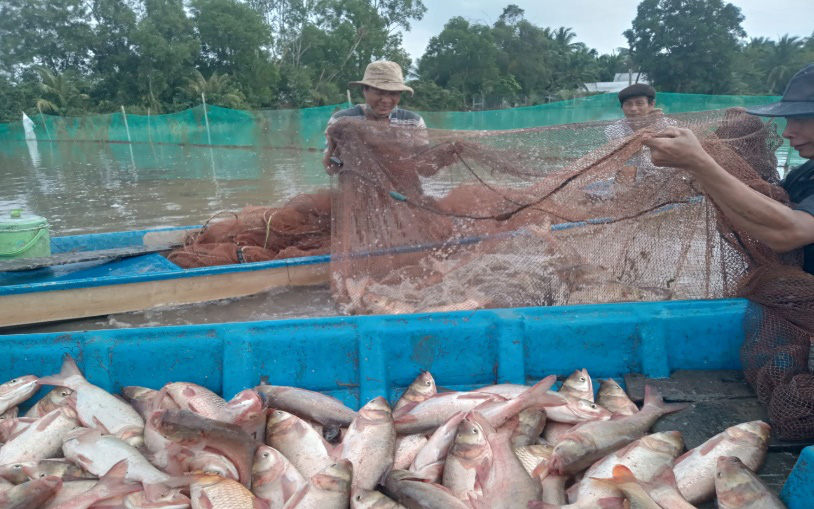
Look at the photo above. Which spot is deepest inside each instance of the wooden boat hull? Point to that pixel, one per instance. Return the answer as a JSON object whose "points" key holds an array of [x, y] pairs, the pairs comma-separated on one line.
{"points": [[143, 282]]}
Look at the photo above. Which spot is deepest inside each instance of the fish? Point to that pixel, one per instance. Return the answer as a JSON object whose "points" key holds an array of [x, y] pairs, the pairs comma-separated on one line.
{"points": [[110, 485], [197, 433], [98, 453], [15, 472], [531, 456], [738, 487], [421, 389], [560, 407], [415, 493], [61, 468], [579, 385], [695, 470], [527, 427], [593, 440], [56, 398], [274, 478], [615, 399], [469, 455], [16, 391], [624, 480], [305, 404], [329, 489], [407, 448], [431, 413], [506, 484], [42, 439], [96, 407], [430, 460], [14, 426], [663, 489], [645, 458], [30, 495], [301, 444], [145, 400], [554, 431], [215, 492], [244, 407], [370, 443], [368, 499], [11, 413]]}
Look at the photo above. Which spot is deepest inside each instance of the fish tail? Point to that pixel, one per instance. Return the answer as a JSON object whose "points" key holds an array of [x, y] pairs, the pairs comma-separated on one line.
{"points": [[69, 369], [652, 398], [114, 481]]}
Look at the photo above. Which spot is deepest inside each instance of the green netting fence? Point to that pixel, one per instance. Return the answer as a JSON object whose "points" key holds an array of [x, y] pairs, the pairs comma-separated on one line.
{"points": [[303, 129]]}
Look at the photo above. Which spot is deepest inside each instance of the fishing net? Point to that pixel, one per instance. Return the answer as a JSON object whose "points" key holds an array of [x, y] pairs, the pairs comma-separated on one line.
{"points": [[425, 220], [256, 234], [428, 220]]}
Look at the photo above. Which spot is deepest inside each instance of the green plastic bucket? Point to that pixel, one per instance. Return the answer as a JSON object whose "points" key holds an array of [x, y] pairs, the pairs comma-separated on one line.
{"points": [[24, 236]]}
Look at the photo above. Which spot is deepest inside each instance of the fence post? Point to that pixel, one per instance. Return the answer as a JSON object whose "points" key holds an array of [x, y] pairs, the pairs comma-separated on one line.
{"points": [[126, 127], [42, 118]]}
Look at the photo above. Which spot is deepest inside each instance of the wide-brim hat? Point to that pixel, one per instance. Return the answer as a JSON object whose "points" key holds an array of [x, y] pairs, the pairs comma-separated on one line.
{"points": [[384, 75], [797, 101]]}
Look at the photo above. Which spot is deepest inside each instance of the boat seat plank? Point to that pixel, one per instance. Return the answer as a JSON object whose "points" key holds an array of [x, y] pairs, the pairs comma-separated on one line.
{"points": [[24, 264]]}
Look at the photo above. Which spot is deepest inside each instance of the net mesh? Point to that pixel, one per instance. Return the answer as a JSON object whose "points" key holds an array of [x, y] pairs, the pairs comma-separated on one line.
{"points": [[454, 220], [437, 220]]}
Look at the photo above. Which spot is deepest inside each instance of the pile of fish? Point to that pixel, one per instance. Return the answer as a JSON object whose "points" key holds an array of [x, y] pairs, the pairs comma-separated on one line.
{"points": [[502, 446]]}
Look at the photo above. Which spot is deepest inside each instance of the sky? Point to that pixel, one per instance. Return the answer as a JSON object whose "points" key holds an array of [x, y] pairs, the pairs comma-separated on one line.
{"points": [[600, 23]]}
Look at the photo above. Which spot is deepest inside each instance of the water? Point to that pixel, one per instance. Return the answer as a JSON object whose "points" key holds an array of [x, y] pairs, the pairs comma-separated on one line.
{"points": [[86, 187], [99, 187]]}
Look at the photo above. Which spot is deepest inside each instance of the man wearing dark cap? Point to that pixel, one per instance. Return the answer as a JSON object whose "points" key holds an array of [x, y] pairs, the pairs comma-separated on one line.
{"points": [[638, 102], [780, 227]]}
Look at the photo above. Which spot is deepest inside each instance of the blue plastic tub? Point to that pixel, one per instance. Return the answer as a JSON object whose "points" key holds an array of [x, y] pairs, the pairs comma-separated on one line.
{"points": [[358, 358]]}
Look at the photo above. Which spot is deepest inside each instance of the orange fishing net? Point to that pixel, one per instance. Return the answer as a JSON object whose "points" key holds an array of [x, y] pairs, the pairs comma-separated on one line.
{"points": [[425, 220]]}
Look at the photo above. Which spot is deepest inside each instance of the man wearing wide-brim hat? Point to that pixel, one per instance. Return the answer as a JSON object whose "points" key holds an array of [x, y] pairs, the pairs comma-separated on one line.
{"points": [[780, 227], [382, 87]]}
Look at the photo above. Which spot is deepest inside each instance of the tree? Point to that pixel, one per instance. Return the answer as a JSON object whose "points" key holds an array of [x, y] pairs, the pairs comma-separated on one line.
{"points": [[218, 90], [61, 94], [687, 45], [463, 56], [782, 60], [166, 43]]}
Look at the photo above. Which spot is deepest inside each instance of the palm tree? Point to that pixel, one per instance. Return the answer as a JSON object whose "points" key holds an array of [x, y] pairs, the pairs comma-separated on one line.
{"points": [[60, 94], [563, 37], [218, 89], [784, 58]]}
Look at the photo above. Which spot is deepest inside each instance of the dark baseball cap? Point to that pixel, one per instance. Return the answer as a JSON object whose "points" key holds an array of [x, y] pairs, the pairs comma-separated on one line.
{"points": [[797, 101], [637, 90]]}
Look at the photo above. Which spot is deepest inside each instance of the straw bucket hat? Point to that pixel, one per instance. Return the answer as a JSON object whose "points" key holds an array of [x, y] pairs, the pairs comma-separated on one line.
{"points": [[384, 75]]}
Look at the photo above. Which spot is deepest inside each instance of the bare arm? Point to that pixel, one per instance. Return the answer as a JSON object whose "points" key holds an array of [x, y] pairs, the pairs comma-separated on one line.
{"points": [[778, 226]]}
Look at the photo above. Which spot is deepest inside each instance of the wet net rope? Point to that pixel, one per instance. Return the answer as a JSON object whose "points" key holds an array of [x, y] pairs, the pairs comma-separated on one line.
{"points": [[436, 220]]}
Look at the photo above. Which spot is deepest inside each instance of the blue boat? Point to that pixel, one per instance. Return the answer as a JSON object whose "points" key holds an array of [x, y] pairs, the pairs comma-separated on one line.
{"points": [[358, 358], [108, 286]]}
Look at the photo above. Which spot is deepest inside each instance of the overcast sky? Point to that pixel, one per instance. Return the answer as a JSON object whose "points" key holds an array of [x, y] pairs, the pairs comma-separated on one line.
{"points": [[600, 23]]}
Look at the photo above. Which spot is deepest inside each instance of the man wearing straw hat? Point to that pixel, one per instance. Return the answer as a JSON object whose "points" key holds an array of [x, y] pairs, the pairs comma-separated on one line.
{"points": [[780, 227], [382, 86]]}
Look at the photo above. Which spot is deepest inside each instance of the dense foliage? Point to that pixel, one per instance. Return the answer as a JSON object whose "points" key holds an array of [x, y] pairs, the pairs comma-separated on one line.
{"points": [[72, 57]]}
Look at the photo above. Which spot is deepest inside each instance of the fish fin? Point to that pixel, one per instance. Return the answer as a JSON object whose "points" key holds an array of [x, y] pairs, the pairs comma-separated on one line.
{"points": [[664, 477], [69, 369], [204, 502], [541, 471], [623, 474], [539, 392], [45, 421], [652, 397], [611, 503], [97, 424], [114, 480], [259, 504]]}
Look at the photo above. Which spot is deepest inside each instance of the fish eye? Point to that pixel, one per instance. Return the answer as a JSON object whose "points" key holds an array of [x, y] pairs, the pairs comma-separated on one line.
{"points": [[593, 405], [64, 393], [42, 475], [265, 455], [582, 379], [18, 467], [427, 383], [359, 497]]}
